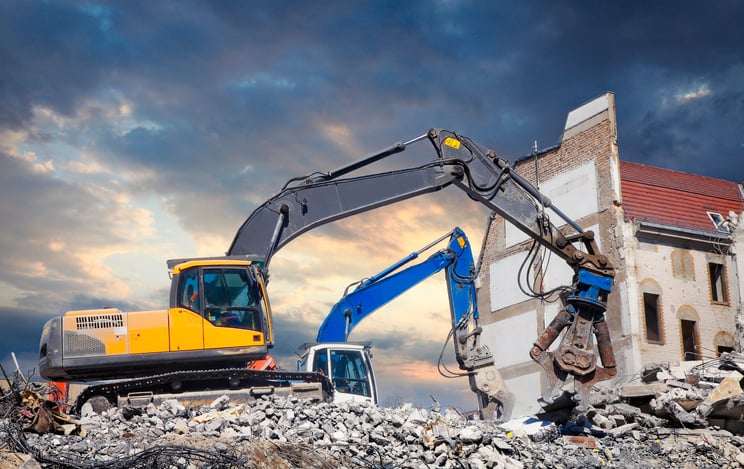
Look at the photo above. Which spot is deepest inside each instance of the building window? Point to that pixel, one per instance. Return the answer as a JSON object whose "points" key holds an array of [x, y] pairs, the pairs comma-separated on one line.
{"points": [[724, 225], [718, 290], [689, 340], [723, 342], [653, 318]]}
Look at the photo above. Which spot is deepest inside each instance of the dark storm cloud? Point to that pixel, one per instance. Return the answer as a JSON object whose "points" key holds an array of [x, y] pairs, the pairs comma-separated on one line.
{"points": [[211, 106], [26, 324], [504, 72]]}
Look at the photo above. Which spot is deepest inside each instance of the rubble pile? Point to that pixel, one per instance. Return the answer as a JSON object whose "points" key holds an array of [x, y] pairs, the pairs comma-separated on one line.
{"points": [[697, 395], [673, 417], [287, 432]]}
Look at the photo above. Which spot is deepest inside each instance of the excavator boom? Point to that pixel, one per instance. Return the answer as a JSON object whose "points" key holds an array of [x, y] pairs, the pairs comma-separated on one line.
{"points": [[375, 292], [307, 202]]}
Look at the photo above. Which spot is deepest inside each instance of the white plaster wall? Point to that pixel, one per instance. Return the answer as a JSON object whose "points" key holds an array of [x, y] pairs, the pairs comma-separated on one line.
{"points": [[511, 339], [654, 261], [526, 390], [630, 314], [573, 192], [737, 277], [588, 110], [504, 290]]}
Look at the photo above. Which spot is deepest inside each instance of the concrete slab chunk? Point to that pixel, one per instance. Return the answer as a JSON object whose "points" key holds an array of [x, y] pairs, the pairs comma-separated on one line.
{"points": [[643, 390]]}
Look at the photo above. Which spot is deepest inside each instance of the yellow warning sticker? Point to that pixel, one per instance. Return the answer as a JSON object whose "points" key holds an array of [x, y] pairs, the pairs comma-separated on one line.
{"points": [[452, 142]]}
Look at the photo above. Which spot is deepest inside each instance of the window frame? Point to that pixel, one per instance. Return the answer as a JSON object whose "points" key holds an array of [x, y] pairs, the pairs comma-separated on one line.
{"points": [[695, 339], [718, 296], [659, 318]]}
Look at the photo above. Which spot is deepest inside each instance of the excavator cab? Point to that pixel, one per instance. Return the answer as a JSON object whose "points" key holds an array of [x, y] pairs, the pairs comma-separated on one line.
{"points": [[348, 365], [224, 300], [231, 297]]}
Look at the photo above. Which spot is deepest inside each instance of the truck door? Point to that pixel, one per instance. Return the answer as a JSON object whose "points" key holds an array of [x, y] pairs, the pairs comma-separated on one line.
{"points": [[351, 376]]}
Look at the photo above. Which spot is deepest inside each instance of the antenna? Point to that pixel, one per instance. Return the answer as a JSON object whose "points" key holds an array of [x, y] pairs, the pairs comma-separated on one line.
{"points": [[537, 171]]}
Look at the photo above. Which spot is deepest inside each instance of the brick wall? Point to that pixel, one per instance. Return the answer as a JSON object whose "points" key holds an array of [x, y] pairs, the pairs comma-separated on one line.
{"points": [[594, 142], [594, 145]]}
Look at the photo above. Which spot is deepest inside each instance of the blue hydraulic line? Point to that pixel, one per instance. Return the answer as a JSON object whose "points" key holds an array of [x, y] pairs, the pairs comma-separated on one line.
{"points": [[378, 290]]}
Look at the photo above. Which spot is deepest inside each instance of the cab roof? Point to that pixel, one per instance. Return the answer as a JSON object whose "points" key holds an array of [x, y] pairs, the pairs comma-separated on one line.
{"points": [[179, 264]]}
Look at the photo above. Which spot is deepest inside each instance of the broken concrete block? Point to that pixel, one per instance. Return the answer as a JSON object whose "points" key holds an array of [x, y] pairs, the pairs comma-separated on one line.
{"points": [[679, 384], [728, 388], [650, 373], [642, 390], [666, 407], [622, 430], [618, 420], [601, 421]]}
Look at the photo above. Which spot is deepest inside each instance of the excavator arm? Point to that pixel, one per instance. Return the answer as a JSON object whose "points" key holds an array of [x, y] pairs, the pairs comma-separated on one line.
{"points": [[310, 201], [371, 294], [456, 260]]}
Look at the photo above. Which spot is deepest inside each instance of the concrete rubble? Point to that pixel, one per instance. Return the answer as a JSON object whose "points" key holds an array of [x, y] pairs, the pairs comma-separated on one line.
{"points": [[674, 417]]}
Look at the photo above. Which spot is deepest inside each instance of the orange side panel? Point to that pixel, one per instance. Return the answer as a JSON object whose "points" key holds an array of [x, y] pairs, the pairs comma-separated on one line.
{"points": [[148, 332], [109, 326], [186, 330], [224, 337]]}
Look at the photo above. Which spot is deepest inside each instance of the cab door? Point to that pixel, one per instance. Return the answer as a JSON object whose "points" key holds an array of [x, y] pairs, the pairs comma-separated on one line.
{"points": [[186, 329], [232, 308], [350, 371]]}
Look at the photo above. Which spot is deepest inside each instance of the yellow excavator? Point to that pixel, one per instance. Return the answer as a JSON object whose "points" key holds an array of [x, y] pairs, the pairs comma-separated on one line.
{"points": [[218, 326], [214, 339]]}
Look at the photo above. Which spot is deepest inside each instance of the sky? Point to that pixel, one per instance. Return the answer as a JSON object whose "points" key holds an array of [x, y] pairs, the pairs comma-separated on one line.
{"points": [[135, 132]]}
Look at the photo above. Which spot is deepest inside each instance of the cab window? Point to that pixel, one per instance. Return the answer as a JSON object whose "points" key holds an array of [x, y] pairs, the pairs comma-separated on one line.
{"points": [[349, 372], [227, 297], [320, 362], [188, 290]]}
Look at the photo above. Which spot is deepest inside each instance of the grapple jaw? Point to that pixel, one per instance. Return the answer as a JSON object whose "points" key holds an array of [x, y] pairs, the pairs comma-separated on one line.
{"points": [[571, 370]]}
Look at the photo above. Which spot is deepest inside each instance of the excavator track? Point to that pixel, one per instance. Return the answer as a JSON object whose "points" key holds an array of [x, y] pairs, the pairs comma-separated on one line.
{"points": [[200, 386]]}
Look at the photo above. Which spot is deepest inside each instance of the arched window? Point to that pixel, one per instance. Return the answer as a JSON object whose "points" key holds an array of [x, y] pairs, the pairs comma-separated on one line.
{"points": [[653, 319], [683, 265], [723, 342], [689, 334]]}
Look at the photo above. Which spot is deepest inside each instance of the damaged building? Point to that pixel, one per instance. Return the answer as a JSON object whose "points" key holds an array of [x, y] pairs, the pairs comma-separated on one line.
{"points": [[672, 237]]}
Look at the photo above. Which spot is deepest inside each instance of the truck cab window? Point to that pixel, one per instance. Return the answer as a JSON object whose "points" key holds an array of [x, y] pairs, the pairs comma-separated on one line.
{"points": [[349, 372]]}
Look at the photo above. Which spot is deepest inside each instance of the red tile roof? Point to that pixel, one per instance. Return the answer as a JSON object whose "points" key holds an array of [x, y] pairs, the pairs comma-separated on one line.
{"points": [[676, 199]]}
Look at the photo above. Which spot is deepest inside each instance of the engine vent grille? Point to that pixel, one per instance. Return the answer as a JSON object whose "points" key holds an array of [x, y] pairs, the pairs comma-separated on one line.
{"points": [[81, 345], [99, 321]]}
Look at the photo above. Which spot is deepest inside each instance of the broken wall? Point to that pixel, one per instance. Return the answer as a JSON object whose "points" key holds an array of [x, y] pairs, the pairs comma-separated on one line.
{"points": [[666, 305], [581, 177]]}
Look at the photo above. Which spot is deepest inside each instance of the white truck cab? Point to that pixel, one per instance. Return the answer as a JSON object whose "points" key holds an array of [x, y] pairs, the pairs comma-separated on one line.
{"points": [[347, 364]]}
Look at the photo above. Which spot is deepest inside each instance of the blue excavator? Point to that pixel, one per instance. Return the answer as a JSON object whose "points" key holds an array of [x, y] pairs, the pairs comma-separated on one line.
{"points": [[349, 364]]}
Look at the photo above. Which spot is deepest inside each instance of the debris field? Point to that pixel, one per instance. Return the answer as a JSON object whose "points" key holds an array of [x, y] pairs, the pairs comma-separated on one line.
{"points": [[672, 417]]}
